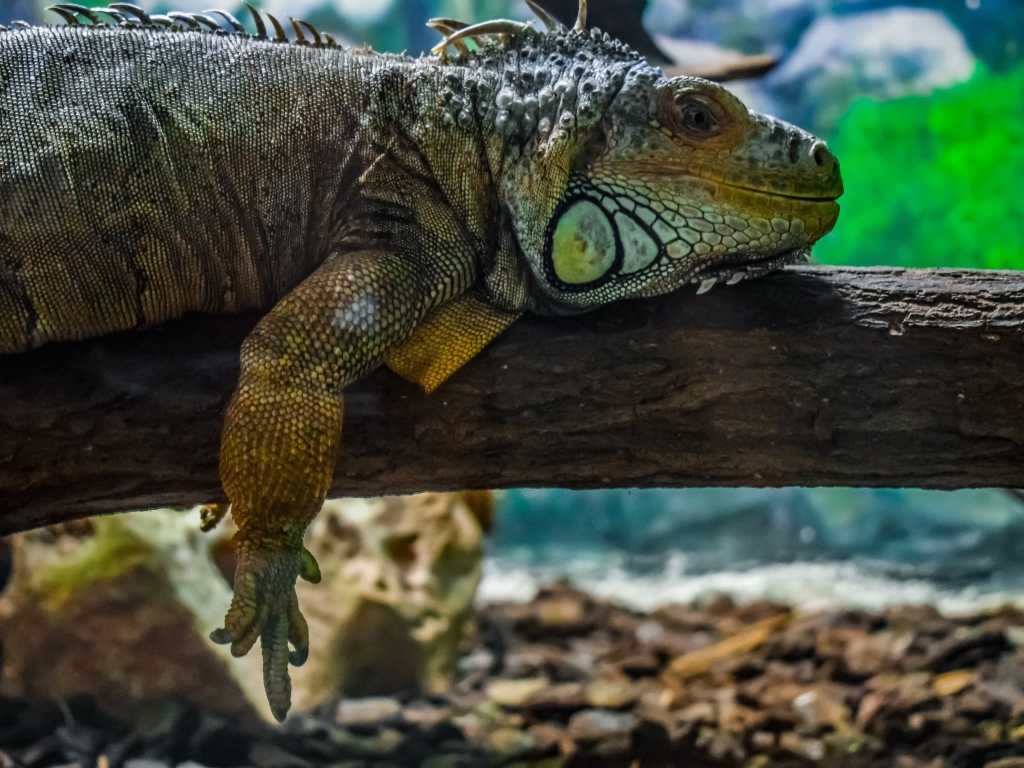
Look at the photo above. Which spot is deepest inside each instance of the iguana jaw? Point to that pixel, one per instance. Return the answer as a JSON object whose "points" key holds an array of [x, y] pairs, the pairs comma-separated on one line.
{"points": [[769, 193], [734, 273], [715, 229]]}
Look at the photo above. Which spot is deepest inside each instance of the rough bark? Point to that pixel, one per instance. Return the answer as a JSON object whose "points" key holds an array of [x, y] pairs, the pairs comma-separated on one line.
{"points": [[815, 376]]}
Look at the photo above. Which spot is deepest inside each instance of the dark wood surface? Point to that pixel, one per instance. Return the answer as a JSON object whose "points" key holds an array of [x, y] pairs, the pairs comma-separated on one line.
{"points": [[814, 376]]}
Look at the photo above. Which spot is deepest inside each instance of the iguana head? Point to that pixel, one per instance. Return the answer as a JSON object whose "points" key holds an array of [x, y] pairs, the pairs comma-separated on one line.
{"points": [[620, 183], [677, 183]]}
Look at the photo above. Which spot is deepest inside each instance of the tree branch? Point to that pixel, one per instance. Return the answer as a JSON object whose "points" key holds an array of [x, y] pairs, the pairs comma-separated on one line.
{"points": [[737, 68], [815, 376]]}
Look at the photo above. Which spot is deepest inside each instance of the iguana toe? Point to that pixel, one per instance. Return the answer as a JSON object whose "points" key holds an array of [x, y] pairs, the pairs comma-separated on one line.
{"points": [[310, 570], [250, 630], [298, 635], [276, 680]]}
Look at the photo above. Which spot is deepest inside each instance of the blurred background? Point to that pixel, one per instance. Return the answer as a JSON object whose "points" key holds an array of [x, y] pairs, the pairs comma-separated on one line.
{"points": [[923, 103]]}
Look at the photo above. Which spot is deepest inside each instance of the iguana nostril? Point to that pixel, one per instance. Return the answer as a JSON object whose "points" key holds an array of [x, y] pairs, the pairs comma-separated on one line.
{"points": [[822, 157]]}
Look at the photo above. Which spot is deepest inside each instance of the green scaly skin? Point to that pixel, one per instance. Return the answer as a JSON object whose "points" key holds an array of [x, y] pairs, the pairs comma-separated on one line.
{"points": [[378, 208]]}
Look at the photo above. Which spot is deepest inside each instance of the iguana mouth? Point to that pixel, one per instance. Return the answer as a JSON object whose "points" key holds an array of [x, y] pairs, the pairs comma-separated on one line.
{"points": [[736, 271], [783, 195], [829, 190]]}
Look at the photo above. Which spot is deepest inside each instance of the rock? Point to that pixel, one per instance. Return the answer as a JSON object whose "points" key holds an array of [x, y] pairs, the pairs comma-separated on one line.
{"points": [[382, 744], [974, 705], [447, 761], [951, 683], [144, 762], [698, 712], [561, 614], [549, 738], [399, 578], [903, 693], [965, 648], [701, 661], [424, 715], [1016, 636], [787, 700], [719, 605], [121, 608], [593, 725], [923, 619], [640, 665], [515, 693], [549, 660], [557, 701], [369, 712], [399, 575], [610, 693], [266, 755], [822, 706], [79, 743], [881, 54], [812, 749], [762, 741], [457, 760], [869, 654], [869, 706], [721, 744], [480, 660], [510, 742]]}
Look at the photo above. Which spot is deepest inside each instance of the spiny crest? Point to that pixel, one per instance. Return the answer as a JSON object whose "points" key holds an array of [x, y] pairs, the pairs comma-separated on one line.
{"points": [[505, 35], [214, 22]]}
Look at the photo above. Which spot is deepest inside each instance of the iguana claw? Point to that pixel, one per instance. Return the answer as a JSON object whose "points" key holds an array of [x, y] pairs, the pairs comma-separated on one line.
{"points": [[265, 606]]}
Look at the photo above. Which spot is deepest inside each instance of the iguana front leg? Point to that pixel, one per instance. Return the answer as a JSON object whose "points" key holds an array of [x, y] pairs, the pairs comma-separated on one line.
{"points": [[283, 432]]}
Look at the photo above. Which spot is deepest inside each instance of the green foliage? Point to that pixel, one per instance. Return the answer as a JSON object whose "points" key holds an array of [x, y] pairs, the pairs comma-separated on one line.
{"points": [[934, 180]]}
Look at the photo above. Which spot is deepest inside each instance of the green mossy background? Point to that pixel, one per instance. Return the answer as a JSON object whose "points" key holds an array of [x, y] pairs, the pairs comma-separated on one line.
{"points": [[934, 180]]}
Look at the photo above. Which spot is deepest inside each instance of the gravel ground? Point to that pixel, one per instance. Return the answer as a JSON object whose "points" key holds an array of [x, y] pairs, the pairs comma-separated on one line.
{"points": [[570, 680]]}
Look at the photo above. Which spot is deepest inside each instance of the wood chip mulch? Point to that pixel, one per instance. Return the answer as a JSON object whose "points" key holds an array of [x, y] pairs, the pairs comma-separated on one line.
{"points": [[569, 680]]}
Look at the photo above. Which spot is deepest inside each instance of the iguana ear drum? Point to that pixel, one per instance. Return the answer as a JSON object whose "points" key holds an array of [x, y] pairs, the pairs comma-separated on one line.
{"points": [[584, 246]]}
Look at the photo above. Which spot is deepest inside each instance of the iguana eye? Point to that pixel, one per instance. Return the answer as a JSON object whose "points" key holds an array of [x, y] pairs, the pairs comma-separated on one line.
{"points": [[696, 117]]}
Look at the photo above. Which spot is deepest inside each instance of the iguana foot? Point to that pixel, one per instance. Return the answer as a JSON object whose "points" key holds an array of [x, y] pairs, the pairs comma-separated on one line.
{"points": [[265, 606]]}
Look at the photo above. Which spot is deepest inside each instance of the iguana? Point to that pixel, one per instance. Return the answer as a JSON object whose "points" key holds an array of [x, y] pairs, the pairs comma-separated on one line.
{"points": [[381, 209]]}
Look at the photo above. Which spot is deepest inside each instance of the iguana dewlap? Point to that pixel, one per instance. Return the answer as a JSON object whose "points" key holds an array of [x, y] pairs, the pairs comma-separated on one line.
{"points": [[380, 209]]}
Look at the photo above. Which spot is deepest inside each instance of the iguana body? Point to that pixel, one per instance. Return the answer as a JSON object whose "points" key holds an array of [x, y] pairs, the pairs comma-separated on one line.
{"points": [[382, 208]]}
